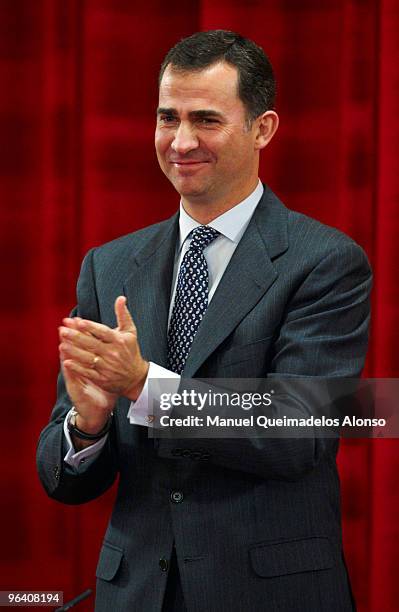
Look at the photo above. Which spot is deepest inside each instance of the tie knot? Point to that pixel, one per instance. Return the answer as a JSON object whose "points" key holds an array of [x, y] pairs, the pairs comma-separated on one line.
{"points": [[201, 236]]}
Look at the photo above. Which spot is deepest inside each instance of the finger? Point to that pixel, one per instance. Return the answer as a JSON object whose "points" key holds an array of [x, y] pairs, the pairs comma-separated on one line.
{"points": [[70, 365], [80, 339], [97, 330], [62, 354], [123, 316], [71, 377], [85, 358], [71, 322]]}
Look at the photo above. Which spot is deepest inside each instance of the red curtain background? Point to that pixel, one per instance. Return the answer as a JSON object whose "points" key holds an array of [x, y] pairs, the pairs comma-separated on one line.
{"points": [[78, 91]]}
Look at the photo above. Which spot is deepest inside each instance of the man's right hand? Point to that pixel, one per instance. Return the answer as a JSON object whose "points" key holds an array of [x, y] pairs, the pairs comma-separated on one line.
{"points": [[93, 404]]}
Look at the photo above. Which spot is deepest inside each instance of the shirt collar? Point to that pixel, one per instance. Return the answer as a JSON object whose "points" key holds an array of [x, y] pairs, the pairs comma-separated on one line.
{"points": [[231, 224]]}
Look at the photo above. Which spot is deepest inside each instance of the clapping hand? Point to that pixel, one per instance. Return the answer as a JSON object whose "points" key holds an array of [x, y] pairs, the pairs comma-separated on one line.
{"points": [[101, 363]]}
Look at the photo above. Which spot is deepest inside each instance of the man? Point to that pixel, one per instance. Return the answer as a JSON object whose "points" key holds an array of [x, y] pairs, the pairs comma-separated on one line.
{"points": [[242, 524]]}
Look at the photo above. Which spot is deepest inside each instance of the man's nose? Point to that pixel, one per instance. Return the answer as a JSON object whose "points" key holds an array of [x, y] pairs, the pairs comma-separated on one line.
{"points": [[185, 139]]}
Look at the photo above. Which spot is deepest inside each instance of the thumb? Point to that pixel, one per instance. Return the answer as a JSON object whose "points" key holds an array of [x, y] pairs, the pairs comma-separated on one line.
{"points": [[123, 316]]}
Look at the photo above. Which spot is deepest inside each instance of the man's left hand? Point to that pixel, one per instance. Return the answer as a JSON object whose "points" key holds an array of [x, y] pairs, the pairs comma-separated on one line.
{"points": [[111, 358]]}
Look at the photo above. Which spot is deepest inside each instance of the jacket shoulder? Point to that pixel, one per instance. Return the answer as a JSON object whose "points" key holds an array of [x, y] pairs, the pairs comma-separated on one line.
{"points": [[307, 232], [115, 259], [286, 230], [132, 242]]}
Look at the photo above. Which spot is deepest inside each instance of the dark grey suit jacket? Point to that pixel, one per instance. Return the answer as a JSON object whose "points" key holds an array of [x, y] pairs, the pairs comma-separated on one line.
{"points": [[259, 524]]}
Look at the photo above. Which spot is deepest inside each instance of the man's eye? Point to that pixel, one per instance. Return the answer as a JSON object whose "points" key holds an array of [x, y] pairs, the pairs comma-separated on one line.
{"points": [[205, 120], [167, 118]]}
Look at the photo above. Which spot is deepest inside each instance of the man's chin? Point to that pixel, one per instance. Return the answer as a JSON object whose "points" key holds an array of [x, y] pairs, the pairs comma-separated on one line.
{"points": [[188, 188]]}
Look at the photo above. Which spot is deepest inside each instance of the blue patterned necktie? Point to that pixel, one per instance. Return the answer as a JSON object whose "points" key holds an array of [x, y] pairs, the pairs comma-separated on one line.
{"points": [[191, 298]]}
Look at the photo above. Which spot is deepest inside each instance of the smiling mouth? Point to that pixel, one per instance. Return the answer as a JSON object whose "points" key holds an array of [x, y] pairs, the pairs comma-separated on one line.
{"points": [[188, 163], [189, 167]]}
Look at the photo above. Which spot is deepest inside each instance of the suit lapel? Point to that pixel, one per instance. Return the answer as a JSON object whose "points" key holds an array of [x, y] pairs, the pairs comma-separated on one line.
{"points": [[248, 276], [148, 290]]}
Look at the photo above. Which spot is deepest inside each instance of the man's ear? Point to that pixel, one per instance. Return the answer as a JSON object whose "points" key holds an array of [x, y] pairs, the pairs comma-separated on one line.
{"points": [[266, 127]]}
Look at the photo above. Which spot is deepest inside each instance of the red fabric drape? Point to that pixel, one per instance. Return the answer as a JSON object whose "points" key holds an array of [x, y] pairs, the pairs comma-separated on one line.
{"points": [[78, 168]]}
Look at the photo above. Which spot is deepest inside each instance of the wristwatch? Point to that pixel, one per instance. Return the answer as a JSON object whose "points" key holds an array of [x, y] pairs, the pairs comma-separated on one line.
{"points": [[82, 434]]}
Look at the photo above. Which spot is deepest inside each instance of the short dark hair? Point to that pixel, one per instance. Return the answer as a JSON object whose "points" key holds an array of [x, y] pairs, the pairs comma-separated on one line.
{"points": [[256, 82]]}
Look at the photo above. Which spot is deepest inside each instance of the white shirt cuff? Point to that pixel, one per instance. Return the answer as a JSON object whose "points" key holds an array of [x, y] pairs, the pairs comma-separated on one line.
{"points": [[75, 459], [140, 411]]}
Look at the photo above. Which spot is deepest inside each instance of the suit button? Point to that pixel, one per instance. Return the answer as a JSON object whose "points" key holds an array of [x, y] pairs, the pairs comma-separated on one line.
{"points": [[176, 497], [163, 564], [56, 472]]}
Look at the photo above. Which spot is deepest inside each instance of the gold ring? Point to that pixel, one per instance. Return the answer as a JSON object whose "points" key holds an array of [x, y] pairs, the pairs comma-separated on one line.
{"points": [[95, 361]]}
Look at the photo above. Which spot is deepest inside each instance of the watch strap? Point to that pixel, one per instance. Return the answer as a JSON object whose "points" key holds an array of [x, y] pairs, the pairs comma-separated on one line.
{"points": [[83, 435]]}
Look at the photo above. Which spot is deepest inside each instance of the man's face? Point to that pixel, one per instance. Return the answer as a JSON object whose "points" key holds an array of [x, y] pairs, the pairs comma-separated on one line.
{"points": [[202, 139]]}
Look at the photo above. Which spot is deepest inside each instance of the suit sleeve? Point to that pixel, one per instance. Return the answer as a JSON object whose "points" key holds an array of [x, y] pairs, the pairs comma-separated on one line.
{"points": [[324, 333], [61, 481]]}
